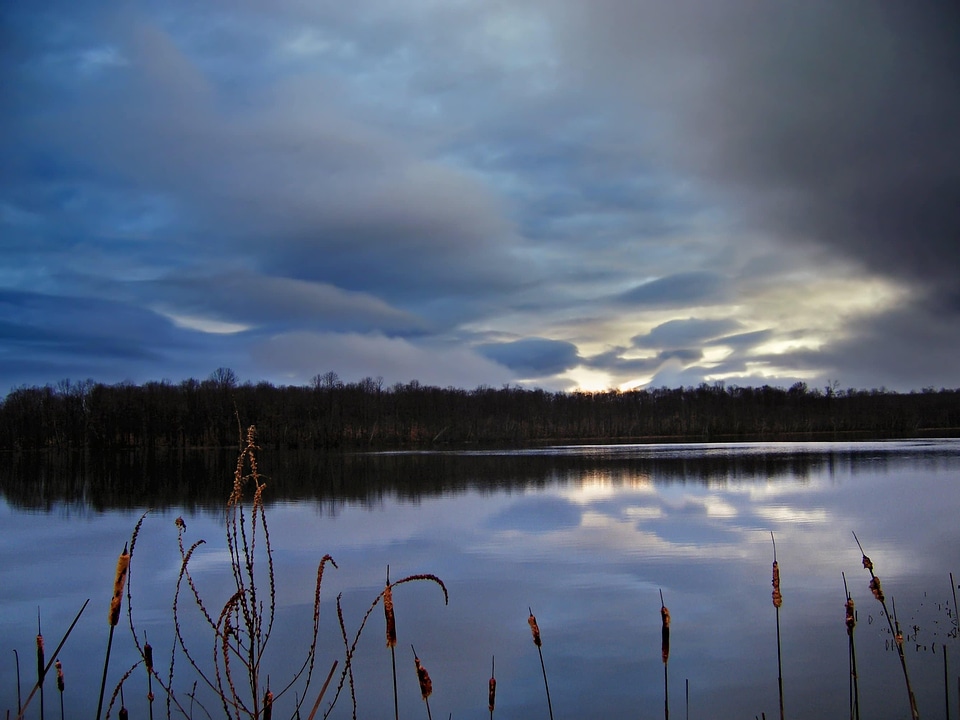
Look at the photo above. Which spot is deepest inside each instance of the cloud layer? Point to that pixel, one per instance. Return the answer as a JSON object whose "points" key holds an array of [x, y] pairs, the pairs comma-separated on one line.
{"points": [[560, 194]]}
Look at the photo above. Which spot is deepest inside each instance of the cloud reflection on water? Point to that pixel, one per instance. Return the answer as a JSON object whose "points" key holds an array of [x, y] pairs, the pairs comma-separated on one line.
{"points": [[589, 551]]}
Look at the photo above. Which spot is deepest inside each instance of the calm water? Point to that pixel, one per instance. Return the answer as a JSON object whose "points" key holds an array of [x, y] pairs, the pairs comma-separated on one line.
{"points": [[585, 536]]}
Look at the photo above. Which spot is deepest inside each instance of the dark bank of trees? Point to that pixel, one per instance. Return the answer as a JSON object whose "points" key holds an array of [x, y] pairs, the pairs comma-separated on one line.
{"points": [[332, 414]]}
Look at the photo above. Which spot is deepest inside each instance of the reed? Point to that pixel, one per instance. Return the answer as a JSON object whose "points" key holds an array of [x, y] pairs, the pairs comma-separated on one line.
{"points": [[492, 687], [391, 623], [777, 602], [119, 579], [665, 654], [426, 684], [850, 620], [41, 672], [877, 590], [60, 684], [535, 631]]}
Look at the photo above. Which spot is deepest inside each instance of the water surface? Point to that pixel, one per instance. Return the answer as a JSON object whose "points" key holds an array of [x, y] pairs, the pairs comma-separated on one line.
{"points": [[586, 536]]}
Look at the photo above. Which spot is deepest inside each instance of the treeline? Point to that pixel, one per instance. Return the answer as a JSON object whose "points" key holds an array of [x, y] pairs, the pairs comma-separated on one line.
{"points": [[330, 414]]}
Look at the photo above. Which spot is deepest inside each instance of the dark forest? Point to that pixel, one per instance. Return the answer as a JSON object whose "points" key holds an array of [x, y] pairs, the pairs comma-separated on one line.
{"points": [[331, 414]]}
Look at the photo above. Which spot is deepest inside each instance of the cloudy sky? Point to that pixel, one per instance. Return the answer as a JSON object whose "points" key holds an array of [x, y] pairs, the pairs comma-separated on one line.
{"points": [[557, 193]]}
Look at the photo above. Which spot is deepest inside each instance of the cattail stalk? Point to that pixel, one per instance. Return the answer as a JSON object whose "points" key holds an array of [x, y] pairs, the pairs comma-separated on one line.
{"points": [[877, 591], [46, 669], [535, 630], [665, 654], [60, 684], [391, 621], [777, 602], [148, 663], [41, 670], [492, 687], [850, 620], [426, 684], [119, 580]]}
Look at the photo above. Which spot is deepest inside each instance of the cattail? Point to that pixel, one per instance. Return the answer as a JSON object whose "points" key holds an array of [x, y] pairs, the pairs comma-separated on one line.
{"points": [[40, 659], [390, 617], [777, 597], [268, 705], [851, 616], [665, 633], [59, 667], [867, 562], [426, 684], [876, 589], [492, 692], [535, 629], [119, 580]]}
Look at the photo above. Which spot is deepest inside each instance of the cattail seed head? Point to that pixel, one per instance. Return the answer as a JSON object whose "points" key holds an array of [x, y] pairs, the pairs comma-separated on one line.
{"points": [[876, 589], [665, 634], [389, 615], [180, 523], [59, 667], [119, 580], [124, 714], [535, 629], [268, 705], [867, 563], [41, 664], [148, 656], [426, 684], [851, 616], [492, 694], [777, 597]]}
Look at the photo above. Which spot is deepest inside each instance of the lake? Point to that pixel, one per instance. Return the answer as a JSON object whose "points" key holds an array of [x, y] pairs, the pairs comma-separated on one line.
{"points": [[587, 537]]}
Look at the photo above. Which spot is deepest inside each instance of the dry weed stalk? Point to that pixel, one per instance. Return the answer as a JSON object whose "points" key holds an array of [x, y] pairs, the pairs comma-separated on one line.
{"points": [[351, 647], [60, 684], [877, 591]]}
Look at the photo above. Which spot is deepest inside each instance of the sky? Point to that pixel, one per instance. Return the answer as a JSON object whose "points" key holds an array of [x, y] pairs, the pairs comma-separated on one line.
{"points": [[545, 193]]}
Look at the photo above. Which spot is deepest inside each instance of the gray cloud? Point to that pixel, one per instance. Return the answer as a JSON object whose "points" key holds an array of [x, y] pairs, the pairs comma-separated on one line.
{"points": [[533, 357], [678, 289], [680, 333]]}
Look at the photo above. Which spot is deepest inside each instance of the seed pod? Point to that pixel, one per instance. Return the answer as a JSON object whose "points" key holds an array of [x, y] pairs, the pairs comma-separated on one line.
{"points": [[426, 684], [389, 615], [119, 580], [867, 562], [124, 714], [876, 589], [148, 656], [59, 667], [665, 633], [851, 617], [535, 629], [777, 597]]}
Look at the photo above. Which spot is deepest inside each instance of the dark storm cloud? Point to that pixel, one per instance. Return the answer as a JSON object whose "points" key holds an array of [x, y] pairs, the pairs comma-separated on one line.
{"points": [[533, 357], [682, 289], [832, 123]]}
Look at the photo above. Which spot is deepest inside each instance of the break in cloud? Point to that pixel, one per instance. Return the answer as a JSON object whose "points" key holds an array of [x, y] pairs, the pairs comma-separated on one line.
{"points": [[561, 194]]}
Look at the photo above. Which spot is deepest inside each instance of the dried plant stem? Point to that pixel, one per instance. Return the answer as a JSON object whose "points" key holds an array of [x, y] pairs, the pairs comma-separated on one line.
{"points": [[391, 622], [16, 657], [777, 601], [323, 690], [423, 677], [878, 593], [56, 652], [946, 684]]}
